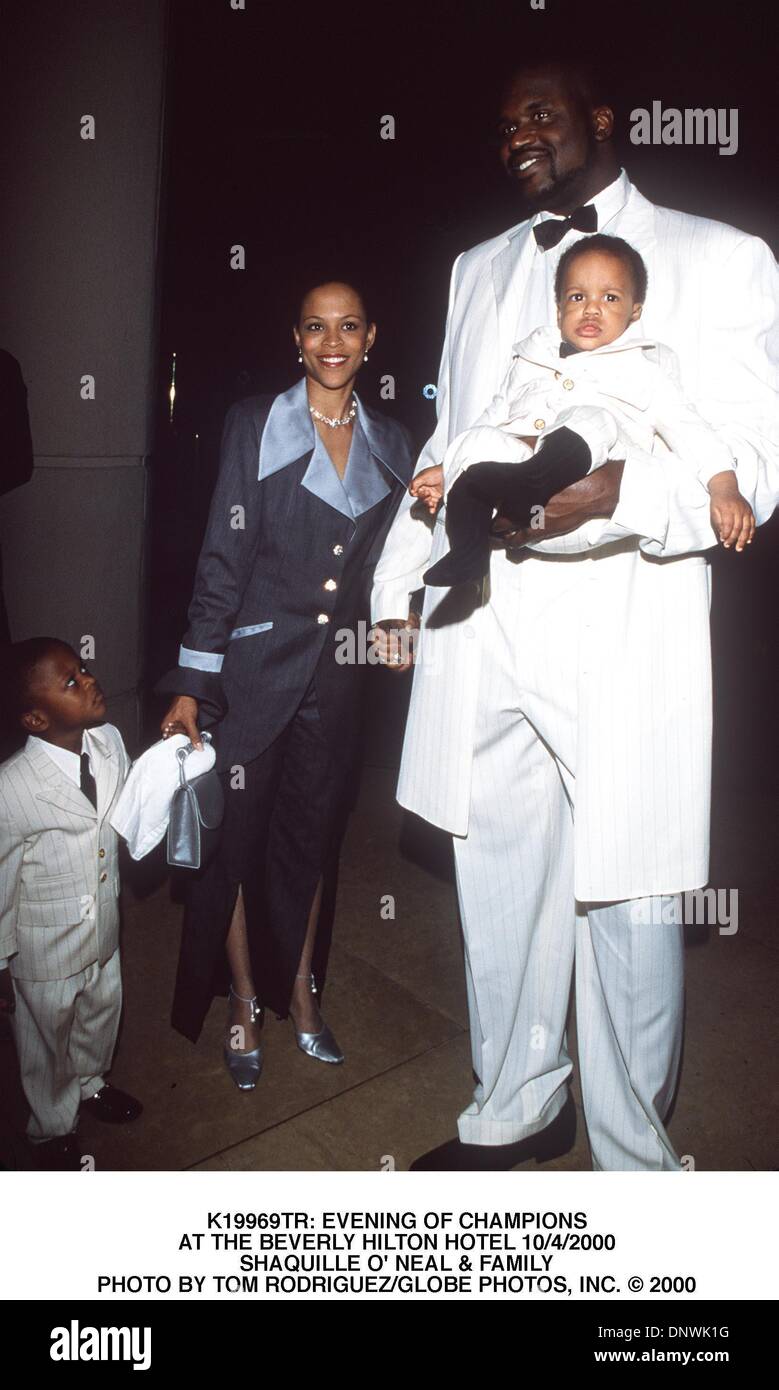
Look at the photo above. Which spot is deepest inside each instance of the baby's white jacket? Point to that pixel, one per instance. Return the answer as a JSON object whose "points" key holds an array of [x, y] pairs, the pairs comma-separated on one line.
{"points": [[624, 394]]}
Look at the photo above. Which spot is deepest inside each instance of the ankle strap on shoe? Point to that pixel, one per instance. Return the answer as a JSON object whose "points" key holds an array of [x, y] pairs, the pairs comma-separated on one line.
{"points": [[256, 1009]]}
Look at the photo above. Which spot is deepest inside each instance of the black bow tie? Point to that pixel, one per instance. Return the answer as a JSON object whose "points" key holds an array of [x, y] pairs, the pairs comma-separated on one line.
{"points": [[548, 233]]}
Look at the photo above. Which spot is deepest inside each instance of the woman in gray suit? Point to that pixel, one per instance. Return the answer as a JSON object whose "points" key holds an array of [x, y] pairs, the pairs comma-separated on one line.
{"points": [[308, 485]]}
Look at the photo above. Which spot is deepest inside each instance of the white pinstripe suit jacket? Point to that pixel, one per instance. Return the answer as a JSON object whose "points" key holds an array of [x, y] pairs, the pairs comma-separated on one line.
{"points": [[644, 691], [59, 874]]}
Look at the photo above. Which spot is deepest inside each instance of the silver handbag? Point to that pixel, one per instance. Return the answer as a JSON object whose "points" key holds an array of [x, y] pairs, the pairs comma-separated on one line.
{"points": [[196, 814]]}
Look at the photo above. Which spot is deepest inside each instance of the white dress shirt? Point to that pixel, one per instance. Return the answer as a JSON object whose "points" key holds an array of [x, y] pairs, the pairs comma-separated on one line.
{"points": [[67, 762]]}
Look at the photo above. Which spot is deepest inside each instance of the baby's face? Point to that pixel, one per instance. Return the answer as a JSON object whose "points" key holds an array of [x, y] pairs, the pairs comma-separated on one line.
{"points": [[597, 300]]}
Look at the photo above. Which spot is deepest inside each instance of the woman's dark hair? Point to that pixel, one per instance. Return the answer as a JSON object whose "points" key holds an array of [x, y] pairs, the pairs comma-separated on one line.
{"points": [[612, 246], [334, 280]]}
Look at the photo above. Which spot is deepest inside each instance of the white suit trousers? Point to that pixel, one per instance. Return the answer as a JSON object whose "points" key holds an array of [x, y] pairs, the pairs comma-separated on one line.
{"points": [[65, 1033], [522, 926]]}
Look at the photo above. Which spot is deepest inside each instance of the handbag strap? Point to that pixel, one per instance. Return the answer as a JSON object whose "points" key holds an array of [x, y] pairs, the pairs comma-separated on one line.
{"points": [[183, 753]]}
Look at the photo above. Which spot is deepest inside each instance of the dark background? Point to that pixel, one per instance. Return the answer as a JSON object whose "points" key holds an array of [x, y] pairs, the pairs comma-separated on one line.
{"points": [[273, 117]]}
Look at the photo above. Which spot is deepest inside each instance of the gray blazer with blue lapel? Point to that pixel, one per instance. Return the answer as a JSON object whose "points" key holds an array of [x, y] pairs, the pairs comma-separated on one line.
{"points": [[286, 565]]}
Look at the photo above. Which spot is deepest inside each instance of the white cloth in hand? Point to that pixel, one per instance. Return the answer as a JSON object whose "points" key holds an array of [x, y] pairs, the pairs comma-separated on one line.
{"points": [[142, 811]]}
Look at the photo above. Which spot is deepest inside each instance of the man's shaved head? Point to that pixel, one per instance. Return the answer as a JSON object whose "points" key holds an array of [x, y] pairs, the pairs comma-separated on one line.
{"points": [[581, 78], [555, 134]]}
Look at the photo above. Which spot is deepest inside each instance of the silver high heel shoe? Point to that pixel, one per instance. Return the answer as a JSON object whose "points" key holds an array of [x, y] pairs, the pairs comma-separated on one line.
{"points": [[322, 1045], [245, 1067]]}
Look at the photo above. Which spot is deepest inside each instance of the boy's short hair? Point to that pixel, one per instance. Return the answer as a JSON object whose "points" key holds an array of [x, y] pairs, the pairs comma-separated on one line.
{"points": [[19, 663], [612, 246]]}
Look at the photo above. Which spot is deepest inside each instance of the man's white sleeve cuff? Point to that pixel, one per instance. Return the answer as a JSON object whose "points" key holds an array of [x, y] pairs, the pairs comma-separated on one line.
{"points": [[392, 600], [710, 470], [642, 509]]}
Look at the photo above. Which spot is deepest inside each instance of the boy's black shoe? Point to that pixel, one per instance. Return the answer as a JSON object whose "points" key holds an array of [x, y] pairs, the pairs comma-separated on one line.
{"points": [[112, 1106], [515, 489], [454, 1156], [60, 1155]]}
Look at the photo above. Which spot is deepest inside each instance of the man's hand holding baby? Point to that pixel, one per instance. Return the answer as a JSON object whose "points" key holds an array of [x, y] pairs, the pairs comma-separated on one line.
{"points": [[595, 495]]}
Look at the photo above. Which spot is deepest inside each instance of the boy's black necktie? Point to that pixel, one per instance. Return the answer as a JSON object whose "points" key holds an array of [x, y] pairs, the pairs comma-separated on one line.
{"points": [[88, 784], [550, 232]]}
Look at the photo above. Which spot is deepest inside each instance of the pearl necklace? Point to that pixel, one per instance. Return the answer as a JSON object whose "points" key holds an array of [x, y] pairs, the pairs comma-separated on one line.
{"points": [[328, 420]]}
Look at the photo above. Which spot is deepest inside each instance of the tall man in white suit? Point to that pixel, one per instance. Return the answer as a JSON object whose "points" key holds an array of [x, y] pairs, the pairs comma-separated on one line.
{"points": [[581, 675]]}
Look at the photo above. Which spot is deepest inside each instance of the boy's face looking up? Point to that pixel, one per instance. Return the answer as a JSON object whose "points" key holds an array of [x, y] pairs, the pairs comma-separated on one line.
{"points": [[63, 699], [597, 300]]}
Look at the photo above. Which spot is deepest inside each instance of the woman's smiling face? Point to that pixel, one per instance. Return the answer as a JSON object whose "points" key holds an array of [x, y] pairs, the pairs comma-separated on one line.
{"points": [[333, 334]]}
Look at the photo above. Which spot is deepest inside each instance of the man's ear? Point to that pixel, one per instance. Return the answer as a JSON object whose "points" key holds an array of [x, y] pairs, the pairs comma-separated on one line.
{"points": [[35, 721], [559, 316], [636, 314], [602, 122]]}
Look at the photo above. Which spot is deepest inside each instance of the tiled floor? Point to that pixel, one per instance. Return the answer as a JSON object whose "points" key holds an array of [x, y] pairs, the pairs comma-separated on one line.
{"points": [[396, 1002]]}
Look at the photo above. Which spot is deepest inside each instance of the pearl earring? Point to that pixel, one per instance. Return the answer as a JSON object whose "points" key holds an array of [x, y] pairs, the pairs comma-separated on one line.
{"points": [[365, 358], [300, 357]]}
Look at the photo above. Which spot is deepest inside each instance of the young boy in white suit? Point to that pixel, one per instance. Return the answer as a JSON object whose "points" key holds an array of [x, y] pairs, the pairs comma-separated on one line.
{"points": [[566, 407], [60, 974]]}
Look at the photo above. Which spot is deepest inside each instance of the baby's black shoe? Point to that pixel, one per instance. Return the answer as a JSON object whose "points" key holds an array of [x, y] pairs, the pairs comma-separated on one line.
{"points": [[513, 489]]}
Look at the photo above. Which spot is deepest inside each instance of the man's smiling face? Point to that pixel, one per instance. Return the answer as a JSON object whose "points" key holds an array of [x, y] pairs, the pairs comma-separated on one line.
{"points": [[550, 144]]}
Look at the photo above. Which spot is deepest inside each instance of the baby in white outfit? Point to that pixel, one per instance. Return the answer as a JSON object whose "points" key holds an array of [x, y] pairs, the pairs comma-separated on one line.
{"points": [[567, 407]]}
